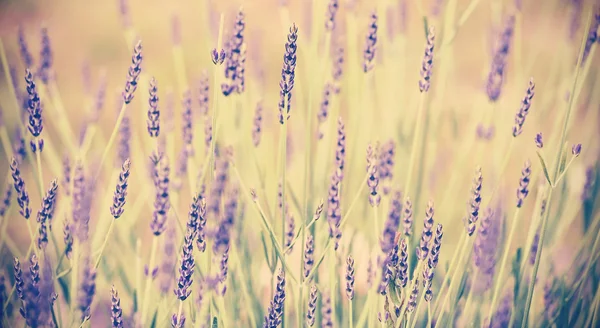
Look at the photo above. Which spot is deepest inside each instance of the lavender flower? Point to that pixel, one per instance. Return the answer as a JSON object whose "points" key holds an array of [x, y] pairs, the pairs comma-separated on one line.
{"points": [[5, 200], [309, 255], [318, 211], [133, 74], [257, 127], [485, 133], [350, 278], [334, 213], [539, 142], [337, 68], [187, 121], [432, 262], [332, 9], [116, 313], [153, 112], [523, 190], [116, 209], [551, 298], [326, 311], [87, 290], [167, 266], [26, 56], [161, 202], [524, 110], [290, 227], [19, 283], [423, 249], [312, 306], [474, 203], [236, 58], [218, 57], [496, 76], [68, 238], [288, 73], [576, 150], [19, 149], [123, 139], [178, 322], [37, 295], [45, 213], [502, 316], [402, 272], [275, 312], [534, 247], [592, 35], [44, 71], [203, 92], [198, 210], [386, 163], [373, 179], [340, 150], [19, 184], [427, 64], [370, 49], [207, 135], [412, 301], [324, 108], [407, 218], [186, 270], [387, 242], [224, 266], [588, 186], [35, 125]]}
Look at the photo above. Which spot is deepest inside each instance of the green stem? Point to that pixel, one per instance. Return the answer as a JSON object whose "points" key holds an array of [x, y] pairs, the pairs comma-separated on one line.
{"points": [[350, 314], [149, 279], [416, 139], [111, 139], [461, 250], [453, 263], [110, 228]]}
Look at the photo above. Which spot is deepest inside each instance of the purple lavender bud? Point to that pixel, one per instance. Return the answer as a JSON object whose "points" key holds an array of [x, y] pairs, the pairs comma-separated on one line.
{"points": [[87, 290], [324, 108], [423, 249], [133, 74], [19, 146], [290, 226], [208, 134], [386, 274], [340, 150], [24, 48], [19, 184], [350, 278], [19, 283], [370, 49], [5, 200], [474, 203], [403, 263], [539, 142], [412, 301], [386, 162], [275, 312], [433, 258], [187, 120], [326, 311], [318, 211], [407, 217], [153, 112], [46, 58], [312, 306], [186, 269], [427, 64], [496, 76], [198, 210], [116, 209], [551, 298], [257, 127], [370, 273], [123, 139], [392, 223], [309, 255], [224, 269], [523, 190], [116, 312], [524, 110], [485, 133], [203, 92], [217, 57], [68, 238], [334, 213], [178, 322], [35, 125], [44, 215], [373, 179], [534, 247], [576, 150], [288, 73], [337, 68], [161, 202], [332, 9]]}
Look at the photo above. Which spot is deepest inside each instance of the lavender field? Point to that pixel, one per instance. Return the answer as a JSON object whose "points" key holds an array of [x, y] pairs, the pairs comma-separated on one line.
{"points": [[300, 163]]}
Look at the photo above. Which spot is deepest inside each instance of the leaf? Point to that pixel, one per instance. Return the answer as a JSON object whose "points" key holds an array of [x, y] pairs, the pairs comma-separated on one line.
{"points": [[544, 168], [135, 301], [215, 323], [563, 159], [153, 324], [516, 267]]}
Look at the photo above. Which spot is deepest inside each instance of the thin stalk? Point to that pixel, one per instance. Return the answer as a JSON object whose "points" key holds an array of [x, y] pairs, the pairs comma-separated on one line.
{"points": [[111, 140], [416, 139], [502, 169], [428, 315], [453, 279], [453, 263], [108, 234], [215, 102], [588, 266], [470, 295], [559, 155], [149, 279], [240, 271], [350, 314]]}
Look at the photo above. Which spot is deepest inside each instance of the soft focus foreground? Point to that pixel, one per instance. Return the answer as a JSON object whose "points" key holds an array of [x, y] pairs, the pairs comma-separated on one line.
{"points": [[300, 163]]}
